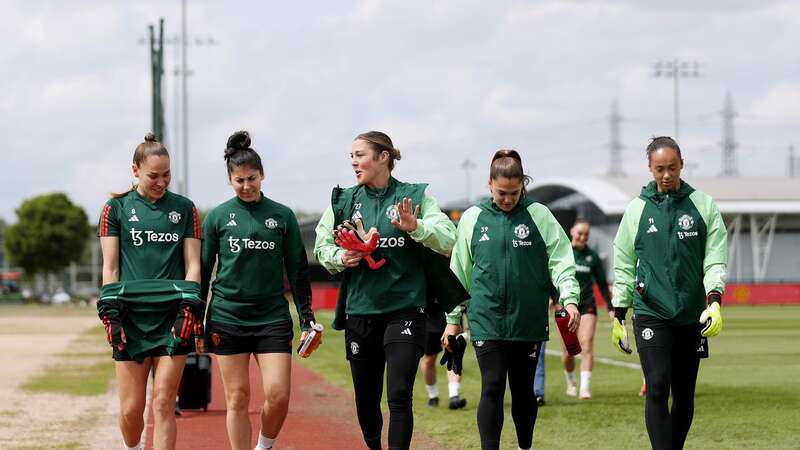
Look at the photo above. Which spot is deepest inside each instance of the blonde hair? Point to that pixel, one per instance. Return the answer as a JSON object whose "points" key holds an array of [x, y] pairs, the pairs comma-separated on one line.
{"points": [[381, 142]]}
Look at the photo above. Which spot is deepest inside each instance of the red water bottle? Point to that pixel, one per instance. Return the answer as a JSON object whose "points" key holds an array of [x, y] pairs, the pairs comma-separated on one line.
{"points": [[570, 338]]}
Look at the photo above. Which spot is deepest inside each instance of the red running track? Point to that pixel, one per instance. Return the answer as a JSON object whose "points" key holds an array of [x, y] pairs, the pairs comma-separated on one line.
{"points": [[321, 416]]}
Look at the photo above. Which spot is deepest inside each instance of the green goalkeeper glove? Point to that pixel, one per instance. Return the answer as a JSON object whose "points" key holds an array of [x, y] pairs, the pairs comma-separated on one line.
{"points": [[712, 316], [619, 334]]}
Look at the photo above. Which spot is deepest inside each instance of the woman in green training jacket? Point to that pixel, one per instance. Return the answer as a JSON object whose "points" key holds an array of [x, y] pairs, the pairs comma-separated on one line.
{"points": [[150, 300], [588, 271], [383, 310], [670, 259], [509, 251], [252, 239]]}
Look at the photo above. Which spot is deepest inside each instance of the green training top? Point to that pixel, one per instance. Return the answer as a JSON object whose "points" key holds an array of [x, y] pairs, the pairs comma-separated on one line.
{"points": [[252, 243], [150, 234], [671, 249], [508, 262], [147, 310], [588, 270], [400, 283]]}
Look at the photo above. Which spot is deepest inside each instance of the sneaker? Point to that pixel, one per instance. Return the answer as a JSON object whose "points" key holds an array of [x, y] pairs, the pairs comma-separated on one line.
{"points": [[572, 390], [540, 400], [457, 402], [178, 411], [643, 390], [433, 402], [585, 394]]}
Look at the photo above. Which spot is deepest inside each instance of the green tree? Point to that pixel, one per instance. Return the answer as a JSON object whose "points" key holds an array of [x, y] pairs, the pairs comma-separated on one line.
{"points": [[50, 233]]}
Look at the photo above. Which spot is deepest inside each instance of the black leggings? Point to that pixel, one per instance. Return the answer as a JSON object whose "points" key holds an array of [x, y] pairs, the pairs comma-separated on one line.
{"points": [[393, 340], [517, 361], [401, 362], [670, 362]]}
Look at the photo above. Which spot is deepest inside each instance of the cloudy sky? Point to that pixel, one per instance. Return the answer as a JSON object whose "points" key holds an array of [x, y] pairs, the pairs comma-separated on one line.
{"points": [[447, 80]]}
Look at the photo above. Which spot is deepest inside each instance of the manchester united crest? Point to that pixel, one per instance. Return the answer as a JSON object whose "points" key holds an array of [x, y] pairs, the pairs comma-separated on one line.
{"points": [[174, 216]]}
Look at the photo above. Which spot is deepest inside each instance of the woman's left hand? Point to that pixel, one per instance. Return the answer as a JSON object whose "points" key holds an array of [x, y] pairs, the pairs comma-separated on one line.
{"points": [[200, 344], [574, 317], [407, 215]]}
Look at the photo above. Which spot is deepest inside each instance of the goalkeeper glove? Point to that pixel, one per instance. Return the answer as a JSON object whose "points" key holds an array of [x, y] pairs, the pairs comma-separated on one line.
{"points": [[115, 335], [712, 316], [455, 359], [619, 333], [186, 325]]}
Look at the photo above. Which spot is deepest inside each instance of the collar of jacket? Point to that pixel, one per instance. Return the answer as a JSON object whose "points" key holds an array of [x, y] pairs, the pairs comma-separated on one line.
{"points": [[489, 204], [650, 192], [381, 192], [252, 204]]}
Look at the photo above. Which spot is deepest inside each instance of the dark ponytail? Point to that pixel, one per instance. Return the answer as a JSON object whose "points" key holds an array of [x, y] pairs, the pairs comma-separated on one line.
{"points": [[662, 142], [239, 154], [508, 164], [150, 147]]}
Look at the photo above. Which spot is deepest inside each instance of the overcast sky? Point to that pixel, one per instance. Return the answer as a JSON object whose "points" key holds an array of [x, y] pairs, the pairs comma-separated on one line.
{"points": [[447, 80]]}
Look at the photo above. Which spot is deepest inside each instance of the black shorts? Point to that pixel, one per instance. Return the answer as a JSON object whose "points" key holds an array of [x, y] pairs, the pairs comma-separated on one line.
{"points": [[515, 349], [433, 343], [651, 332], [182, 350], [434, 327], [226, 339], [588, 308], [366, 336]]}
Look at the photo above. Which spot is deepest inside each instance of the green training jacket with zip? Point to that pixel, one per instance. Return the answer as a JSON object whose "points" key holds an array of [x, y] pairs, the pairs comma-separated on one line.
{"points": [[508, 262], [670, 251], [401, 282]]}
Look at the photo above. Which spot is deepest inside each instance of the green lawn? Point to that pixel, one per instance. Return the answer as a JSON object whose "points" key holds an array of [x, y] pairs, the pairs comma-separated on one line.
{"points": [[84, 369], [748, 392]]}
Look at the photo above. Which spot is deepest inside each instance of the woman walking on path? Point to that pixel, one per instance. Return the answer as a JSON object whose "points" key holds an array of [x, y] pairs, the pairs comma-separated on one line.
{"points": [[150, 300], [252, 239], [382, 304], [588, 270], [670, 259], [509, 252]]}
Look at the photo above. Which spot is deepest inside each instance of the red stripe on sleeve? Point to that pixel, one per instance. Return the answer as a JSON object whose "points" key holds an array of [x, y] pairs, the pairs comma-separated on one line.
{"points": [[104, 221], [198, 231]]}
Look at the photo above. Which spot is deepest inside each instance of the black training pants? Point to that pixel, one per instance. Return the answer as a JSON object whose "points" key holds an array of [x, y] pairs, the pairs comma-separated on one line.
{"points": [[516, 361], [670, 357], [394, 341]]}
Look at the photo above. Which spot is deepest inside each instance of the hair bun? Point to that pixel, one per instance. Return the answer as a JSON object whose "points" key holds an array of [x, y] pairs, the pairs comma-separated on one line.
{"points": [[239, 140], [150, 137], [397, 155]]}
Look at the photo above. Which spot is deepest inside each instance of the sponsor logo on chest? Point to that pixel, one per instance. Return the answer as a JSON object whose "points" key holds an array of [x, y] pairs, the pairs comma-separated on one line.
{"points": [[686, 223], [139, 237], [521, 231], [237, 245]]}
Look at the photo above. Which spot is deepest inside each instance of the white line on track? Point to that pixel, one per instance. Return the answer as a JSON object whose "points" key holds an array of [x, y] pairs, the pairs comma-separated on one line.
{"points": [[609, 361]]}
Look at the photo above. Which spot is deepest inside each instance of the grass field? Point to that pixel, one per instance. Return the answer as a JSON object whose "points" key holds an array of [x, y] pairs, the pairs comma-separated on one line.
{"points": [[748, 392]]}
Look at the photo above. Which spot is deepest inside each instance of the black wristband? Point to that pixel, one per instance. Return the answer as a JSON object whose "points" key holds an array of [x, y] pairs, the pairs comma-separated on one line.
{"points": [[714, 296], [620, 313]]}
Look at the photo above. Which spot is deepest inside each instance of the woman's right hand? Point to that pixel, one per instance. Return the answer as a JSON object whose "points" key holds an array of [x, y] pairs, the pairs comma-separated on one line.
{"points": [[351, 258], [450, 330]]}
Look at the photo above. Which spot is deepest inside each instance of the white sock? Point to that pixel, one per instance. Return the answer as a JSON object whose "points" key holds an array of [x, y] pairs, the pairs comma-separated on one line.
{"points": [[265, 443], [586, 380], [453, 389], [570, 378], [433, 390], [135, 447], [520, 448]]}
